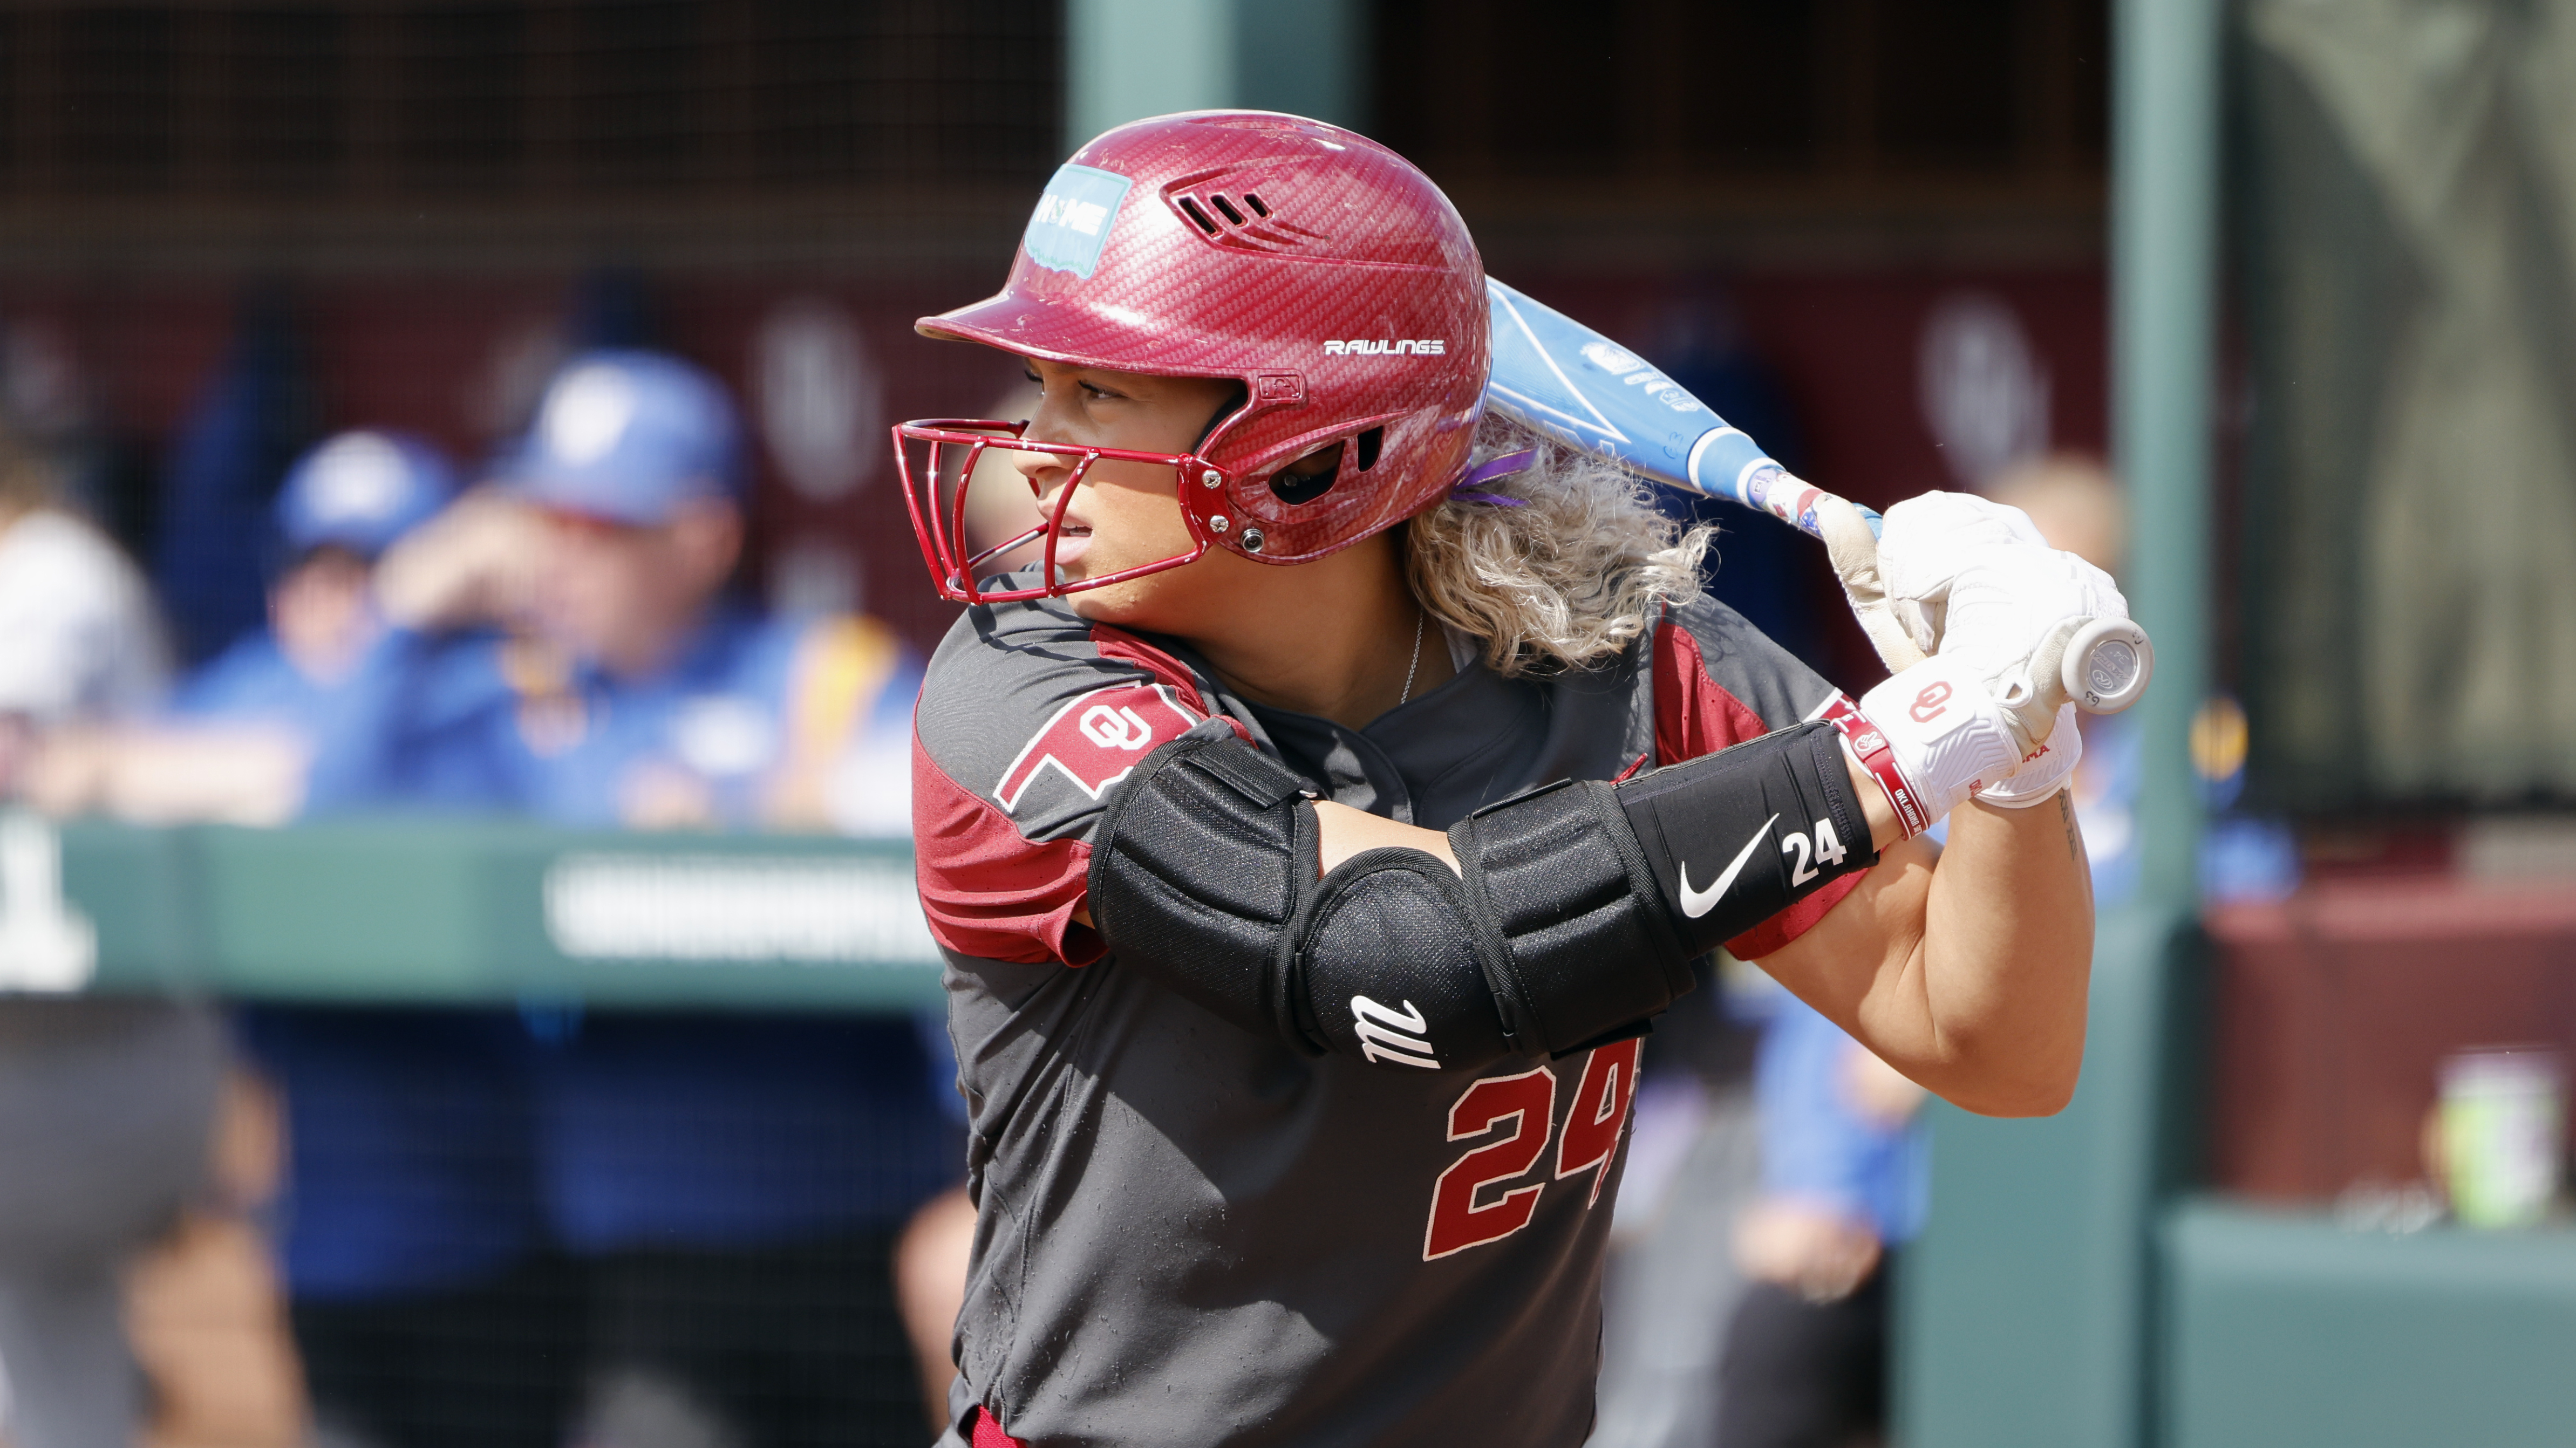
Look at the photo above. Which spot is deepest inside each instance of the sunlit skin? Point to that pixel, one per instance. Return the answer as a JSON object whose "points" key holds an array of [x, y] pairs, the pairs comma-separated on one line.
{"points": [[323, 614], [1333, 637], [1969, 978], [628, 597]]}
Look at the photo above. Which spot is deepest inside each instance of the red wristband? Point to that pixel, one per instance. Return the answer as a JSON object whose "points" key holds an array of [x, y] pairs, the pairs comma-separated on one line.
{"points": [[1869, 745]]}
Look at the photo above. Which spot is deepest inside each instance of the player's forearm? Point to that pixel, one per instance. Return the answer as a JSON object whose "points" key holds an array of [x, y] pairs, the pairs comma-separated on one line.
{"points": [[1965, 970], [2005, 957]]}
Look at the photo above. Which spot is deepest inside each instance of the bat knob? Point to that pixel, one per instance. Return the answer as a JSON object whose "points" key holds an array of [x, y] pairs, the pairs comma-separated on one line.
{"points": [[2107, 665]]}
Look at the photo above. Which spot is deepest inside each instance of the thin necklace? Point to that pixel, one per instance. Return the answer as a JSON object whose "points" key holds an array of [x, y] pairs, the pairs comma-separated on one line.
{"points": [[1417, 660]]}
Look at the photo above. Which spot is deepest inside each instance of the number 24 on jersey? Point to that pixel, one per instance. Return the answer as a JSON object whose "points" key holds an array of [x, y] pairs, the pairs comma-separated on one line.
{"points": [[1525, 1107]]}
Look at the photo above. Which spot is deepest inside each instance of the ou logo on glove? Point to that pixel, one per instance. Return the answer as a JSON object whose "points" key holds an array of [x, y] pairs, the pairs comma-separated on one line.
{"points": [[1929, 704]]}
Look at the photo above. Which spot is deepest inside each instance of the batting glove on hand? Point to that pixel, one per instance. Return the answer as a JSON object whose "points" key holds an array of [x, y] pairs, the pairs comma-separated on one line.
{"points": [[1932, 736], [2010, 612], [1854, 550], [2044, 771], [1924, 544], [1898, 579]]}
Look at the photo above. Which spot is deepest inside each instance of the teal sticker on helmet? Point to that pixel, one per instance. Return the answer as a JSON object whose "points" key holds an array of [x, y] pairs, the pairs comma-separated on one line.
{"points": [[1073, 219]]}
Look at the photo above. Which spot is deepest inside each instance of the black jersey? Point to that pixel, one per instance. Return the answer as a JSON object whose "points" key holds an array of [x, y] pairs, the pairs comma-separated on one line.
{"points": [[1188, 1233]]}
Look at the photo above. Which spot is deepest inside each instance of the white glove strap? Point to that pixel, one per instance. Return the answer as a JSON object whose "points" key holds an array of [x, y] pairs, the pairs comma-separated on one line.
{"points": [[1947, 734], [2046, 770]]}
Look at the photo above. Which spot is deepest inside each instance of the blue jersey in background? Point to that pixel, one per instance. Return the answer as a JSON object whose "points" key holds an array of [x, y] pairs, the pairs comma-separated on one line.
{"points": [[1817, 1146], [723, 1131], [411, 1133]]}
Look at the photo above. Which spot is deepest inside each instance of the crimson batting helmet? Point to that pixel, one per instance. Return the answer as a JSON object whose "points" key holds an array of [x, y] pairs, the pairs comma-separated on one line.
{"points": [[1321, 270]]}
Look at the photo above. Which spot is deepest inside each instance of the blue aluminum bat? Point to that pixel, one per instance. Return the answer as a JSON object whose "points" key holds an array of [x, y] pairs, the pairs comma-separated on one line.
{"points": [[1556, 375]]}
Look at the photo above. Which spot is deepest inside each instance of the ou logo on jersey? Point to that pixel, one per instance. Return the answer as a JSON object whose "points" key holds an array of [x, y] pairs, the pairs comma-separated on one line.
{"points": [[1119, 728], [1095, 739]]}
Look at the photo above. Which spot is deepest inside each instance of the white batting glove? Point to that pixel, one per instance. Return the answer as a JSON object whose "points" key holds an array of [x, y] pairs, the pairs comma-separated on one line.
{"points": [[1932, 736], [1924, 544], [2010, 612], [2043, 772]]}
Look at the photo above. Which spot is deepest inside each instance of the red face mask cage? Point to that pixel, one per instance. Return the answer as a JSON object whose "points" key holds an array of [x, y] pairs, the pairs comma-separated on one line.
{"points": [[934, 492]]}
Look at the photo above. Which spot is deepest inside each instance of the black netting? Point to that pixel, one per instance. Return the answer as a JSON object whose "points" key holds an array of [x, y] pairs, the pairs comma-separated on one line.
{"points": [[358, 107]]}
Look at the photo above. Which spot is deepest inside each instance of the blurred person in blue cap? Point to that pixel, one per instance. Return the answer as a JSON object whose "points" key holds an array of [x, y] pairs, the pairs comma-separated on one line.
{"points": [[411, 1237], [341, 506], [733, 1184], [283, 721], [409, 1228]]}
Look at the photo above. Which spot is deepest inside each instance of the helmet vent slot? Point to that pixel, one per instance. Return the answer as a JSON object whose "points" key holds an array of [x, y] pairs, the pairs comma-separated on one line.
{"points": [[1293, 487], [1238, 219], [1370, 442]]}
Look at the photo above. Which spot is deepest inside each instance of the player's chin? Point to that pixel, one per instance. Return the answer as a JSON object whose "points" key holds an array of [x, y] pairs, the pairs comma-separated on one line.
{"points": [[1146, 602], [1127, 604]]}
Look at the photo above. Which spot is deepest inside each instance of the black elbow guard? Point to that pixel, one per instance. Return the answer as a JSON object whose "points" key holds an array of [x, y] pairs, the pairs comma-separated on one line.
{"points": [[1573, 917], [1203, 875]]}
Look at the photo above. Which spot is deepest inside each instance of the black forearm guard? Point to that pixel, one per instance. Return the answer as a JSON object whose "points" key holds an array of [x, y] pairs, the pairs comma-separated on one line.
{"points": [[1573, 917], [1735, 837]]}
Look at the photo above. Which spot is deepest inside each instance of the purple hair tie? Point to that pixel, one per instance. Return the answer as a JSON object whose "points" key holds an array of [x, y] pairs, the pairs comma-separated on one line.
{"points": [[1488, 471]]}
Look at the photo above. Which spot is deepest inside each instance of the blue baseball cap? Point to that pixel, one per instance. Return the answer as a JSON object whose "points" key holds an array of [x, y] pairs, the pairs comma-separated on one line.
{"points": [[361, 491], [628, 437]]}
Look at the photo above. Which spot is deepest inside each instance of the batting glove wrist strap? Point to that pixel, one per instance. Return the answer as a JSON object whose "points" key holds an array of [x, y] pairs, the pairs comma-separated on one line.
{"points": [[1945, 733]]}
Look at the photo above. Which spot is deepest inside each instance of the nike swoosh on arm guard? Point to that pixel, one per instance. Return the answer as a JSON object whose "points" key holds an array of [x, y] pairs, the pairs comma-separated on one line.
{"points": [[1568, 923]]}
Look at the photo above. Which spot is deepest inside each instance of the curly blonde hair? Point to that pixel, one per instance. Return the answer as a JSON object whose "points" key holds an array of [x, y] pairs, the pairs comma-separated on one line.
{"points": [[1566, 580]]}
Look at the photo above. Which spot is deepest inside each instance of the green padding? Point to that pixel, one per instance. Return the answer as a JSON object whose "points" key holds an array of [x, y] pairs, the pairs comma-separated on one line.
{"points": [[2022, 1309], [454, 910], [2285, 1331]]}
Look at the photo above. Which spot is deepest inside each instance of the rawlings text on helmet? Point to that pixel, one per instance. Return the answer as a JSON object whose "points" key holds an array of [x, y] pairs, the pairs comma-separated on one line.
{"points": [[1428, 347]]}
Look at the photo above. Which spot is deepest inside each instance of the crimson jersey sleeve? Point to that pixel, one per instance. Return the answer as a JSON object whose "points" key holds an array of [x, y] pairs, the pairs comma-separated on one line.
{"points": [[1718, 682], [1027, 717]]}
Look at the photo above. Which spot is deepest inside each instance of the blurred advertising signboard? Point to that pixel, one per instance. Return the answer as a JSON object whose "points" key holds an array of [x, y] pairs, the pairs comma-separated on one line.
{"points": [[455, 910]]}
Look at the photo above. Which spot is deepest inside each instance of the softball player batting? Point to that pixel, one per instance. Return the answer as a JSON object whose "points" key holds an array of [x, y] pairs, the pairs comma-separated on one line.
{"points": [[1316, 820]]}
